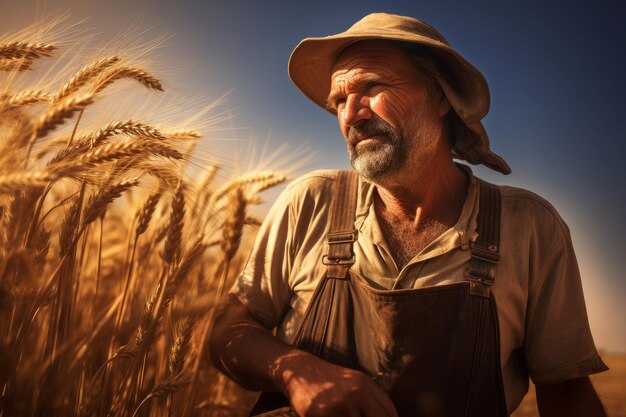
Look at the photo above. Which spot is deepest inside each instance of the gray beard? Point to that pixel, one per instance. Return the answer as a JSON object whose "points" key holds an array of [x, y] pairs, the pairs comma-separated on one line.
{"points": [[374, 160], [379, 157]]}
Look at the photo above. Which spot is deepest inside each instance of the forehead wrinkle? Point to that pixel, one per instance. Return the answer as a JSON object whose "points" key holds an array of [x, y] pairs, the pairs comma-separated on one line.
{"points": [[350, 80]]}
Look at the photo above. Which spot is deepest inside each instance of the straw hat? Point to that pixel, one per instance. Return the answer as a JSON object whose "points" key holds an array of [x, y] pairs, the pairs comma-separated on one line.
{"points": [[465, 87]]}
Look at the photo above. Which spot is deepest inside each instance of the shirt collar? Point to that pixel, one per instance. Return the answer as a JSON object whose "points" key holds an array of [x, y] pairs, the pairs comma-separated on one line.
{"points": [[459, 235]]}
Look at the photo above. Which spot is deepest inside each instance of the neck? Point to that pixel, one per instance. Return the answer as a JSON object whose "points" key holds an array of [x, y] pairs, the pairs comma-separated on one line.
{"points": [[436, 194]]}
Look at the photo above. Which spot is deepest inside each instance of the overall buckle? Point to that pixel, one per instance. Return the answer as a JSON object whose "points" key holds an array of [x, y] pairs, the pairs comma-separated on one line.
{"points": [[337, 255]]}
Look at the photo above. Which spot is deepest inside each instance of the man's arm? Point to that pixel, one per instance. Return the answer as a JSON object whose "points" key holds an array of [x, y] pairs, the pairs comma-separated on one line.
{"points": [[248, 353], [573, 398]]}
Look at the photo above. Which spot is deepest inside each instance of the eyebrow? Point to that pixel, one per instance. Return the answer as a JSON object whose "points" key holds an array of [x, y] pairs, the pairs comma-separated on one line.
{"points": [[333, 96]]}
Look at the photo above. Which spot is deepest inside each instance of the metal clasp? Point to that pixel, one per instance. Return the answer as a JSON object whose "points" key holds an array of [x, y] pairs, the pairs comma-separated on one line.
{"points": [[336, 238], [338, 261], [340, 238], [485, 254]]}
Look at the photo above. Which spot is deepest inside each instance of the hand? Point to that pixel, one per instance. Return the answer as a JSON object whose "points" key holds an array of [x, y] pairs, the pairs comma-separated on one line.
{"points": [[317, 388]]}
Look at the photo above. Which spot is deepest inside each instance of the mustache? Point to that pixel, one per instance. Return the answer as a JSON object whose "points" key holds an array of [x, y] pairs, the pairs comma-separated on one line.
{"points": [[371, 127]]}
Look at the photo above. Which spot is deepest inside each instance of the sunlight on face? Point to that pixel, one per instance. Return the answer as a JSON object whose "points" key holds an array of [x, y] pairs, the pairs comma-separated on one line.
{"points": [[384, 108]]}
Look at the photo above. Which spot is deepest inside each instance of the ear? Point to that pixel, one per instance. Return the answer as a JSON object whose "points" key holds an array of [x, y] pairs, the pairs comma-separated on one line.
{"points": [[444, 105]]}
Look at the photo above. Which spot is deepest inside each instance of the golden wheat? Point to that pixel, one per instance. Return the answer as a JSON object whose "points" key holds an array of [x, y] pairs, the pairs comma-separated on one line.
{"points": [[15, 64], [29, 50], [83, 76], [137, 74], [57, 115], [99, 202], [97, 265], [144, 215], [24, 98], [21, 180], [175, 227], [233, 224], [181, 346]]}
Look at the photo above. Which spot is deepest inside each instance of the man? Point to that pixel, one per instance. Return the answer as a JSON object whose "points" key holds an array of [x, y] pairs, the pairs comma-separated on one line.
{"points": [[414, 288]]}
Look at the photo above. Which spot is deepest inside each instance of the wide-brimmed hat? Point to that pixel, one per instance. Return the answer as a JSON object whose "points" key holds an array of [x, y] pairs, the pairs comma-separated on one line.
{"points": [[311, 63]]}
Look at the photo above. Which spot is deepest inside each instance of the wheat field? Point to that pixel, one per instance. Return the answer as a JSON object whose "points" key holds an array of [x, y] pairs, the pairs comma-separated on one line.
{"points": [[116, 238]]}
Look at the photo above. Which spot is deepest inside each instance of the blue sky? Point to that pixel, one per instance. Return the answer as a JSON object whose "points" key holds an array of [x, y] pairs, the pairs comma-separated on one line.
{"points": [[555, 70]]}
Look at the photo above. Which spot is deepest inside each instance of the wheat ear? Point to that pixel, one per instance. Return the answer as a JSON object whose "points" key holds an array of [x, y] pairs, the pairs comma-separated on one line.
{"points": [[24, 98], [137, 74], [128, 127], [98, 204], [269, 182], [233, 224], [144, 215], [20, 180], [166, 387], [112, 152], [181, 346], [171, 248], [90, 141], [83, 76], [243, 180], [13, 64], [183, 134], [58, 114], [28, 50]]}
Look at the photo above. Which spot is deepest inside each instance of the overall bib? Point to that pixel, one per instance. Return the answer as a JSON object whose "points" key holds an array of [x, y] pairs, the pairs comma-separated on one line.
{"points": [[434, 350]]}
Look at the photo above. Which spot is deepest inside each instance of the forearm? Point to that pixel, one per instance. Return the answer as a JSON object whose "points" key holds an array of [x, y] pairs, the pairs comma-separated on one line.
{"points": [[572, 398], [247, 352]]}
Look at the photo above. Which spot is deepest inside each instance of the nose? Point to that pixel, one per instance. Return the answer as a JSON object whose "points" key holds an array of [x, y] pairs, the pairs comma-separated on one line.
{"points": [[355, 109]]}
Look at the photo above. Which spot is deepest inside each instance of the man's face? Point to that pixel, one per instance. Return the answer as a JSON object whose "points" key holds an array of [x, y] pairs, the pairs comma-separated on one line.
{"points": [[387, 112]]}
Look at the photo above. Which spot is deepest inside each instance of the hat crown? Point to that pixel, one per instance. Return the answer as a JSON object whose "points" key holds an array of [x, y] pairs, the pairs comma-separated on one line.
{"points": [[386, 22]]}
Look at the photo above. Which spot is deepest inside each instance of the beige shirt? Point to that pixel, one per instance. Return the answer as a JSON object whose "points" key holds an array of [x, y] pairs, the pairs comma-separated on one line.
{"points": [[544, 331]]}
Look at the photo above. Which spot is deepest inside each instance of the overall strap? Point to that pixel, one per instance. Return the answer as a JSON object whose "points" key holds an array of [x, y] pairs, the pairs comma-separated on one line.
{"points": [[485, 249], [342, 234]]}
